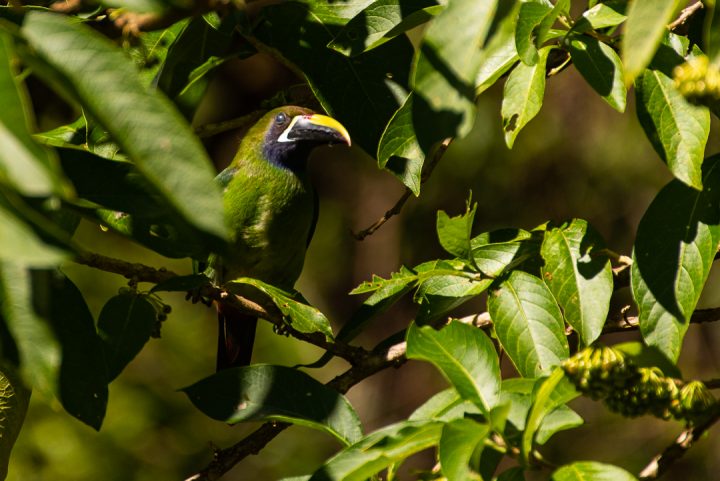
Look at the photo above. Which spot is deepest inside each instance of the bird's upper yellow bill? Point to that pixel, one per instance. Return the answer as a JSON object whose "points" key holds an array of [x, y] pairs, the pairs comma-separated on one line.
{"points": [[325, 121]]}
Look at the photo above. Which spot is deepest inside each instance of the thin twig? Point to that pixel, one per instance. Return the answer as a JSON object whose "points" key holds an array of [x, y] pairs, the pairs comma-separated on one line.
{"points": [[660, 463], [395, 210], [685, 15], [226, 459]]}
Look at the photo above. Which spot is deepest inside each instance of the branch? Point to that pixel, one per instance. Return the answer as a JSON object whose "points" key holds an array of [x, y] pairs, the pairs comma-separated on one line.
{"points": [[266, 310], [660, 463], [685, 15], [226, 459], [395, 210], [133, 271]]}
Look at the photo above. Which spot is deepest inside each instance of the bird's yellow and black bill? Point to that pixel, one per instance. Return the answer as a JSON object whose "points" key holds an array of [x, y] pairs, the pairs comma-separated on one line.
{"points": [[315, 127]]}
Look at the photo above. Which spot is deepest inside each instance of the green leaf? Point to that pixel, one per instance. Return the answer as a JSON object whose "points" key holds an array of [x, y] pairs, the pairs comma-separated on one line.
{"points": [[125, 324], [198, 48], [579, 276], [642, 355], [380, 21], [438, 294], [299, 32], [494, 252], [399, 150], [552, 392], [677, 240], [263, 392], [299, 315], [150, 50], [465, 356], [60, 352], [135, 209], [20, 244], [530, 17], [14, 400], [591, 471], [448, 64], [379, 450], [445, 405], [24, 165], [601, 67], [454, 232], [457, 443], [517, 392], [646, 24], [677, 129], [499, 53], [604, 15], [523, 95], [144, 124], [711, 31], [528, 324]]}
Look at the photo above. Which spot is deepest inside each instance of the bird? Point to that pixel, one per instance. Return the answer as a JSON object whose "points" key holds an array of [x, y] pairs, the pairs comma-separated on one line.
{"points": [[271, 210]]}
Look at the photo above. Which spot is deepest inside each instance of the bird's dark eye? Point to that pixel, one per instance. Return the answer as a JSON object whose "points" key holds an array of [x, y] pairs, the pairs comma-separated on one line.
{"points": [[280, 118]]}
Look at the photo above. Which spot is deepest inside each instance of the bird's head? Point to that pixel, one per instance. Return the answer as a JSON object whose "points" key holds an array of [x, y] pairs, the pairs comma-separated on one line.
{"points": [[291, 133]]}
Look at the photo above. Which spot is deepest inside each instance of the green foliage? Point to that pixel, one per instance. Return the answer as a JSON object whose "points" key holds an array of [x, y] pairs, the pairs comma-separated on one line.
{"points": [[120, 154], [263, 392]]}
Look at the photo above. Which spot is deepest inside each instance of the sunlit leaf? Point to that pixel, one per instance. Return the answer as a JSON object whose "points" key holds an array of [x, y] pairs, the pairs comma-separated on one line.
{"points": [[579, 276], [528, 324], [465, 356], [677, 240]]}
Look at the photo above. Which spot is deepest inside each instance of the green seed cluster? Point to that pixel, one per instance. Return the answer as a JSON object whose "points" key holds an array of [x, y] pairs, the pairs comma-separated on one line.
{"points": [[698, 80], [604, 373]]}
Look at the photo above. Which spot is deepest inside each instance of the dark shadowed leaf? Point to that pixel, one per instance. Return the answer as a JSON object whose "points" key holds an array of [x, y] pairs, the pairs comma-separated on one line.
{"points": [[14, 400], [579, 276], [399, 150], [465, 356], [263, 392], [677, 240], [131, 205], [60, 352], [362, 91], [143, 123], [125, 325], [601, 67], [677, 129], [379, 450], [528, 324], [380, 21], [298, 314], [447, 67]]}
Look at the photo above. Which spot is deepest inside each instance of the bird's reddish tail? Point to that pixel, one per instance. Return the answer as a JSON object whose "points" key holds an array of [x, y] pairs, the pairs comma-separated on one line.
{"points": [[236, 335]]}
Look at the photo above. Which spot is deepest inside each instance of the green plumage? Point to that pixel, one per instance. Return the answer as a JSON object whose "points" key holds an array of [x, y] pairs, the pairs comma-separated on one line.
{"points": [[271, 209]]}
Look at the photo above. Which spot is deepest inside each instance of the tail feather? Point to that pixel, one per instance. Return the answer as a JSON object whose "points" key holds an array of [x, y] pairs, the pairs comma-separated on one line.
{"points": [[236, 335]]}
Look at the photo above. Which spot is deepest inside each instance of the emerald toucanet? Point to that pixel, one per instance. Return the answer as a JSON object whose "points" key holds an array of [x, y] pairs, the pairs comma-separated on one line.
{"points": [[271, 209]]}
